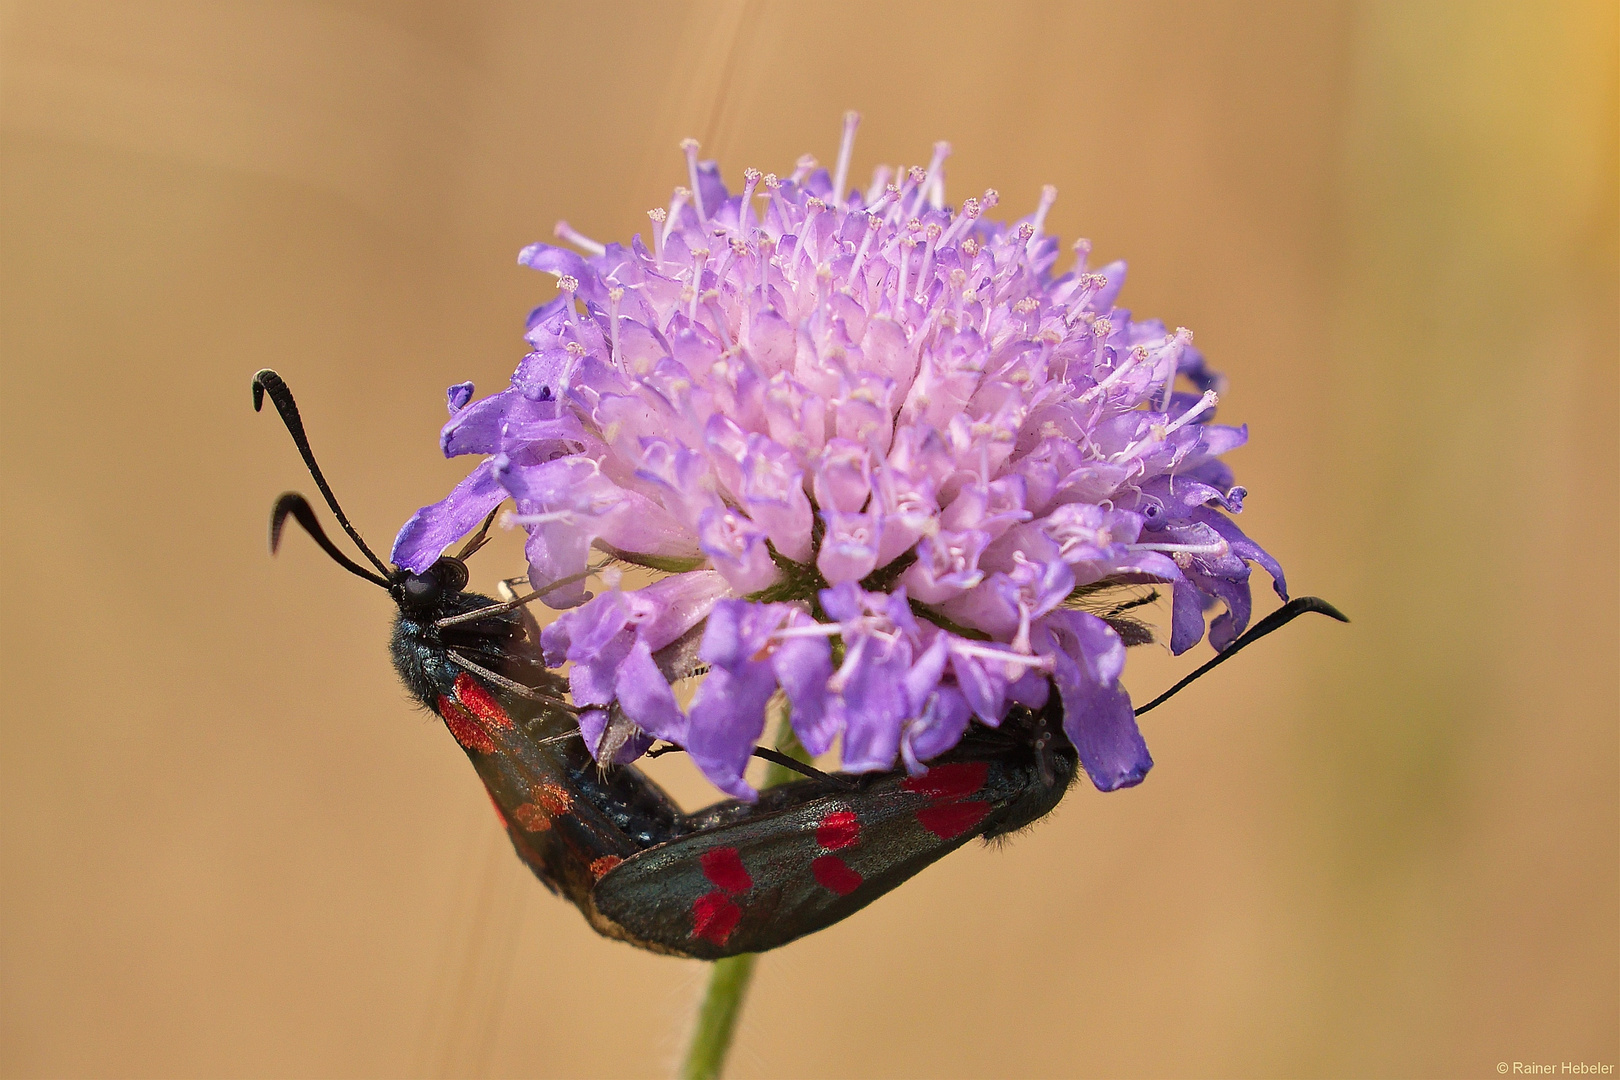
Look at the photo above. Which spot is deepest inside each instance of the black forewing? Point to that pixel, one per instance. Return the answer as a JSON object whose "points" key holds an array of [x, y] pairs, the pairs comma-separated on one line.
{"points": [[774, 877]]}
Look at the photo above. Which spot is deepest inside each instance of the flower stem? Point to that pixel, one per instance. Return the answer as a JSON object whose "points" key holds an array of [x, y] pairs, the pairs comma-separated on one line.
{"points": [[722, 1003], [717, 1017]]}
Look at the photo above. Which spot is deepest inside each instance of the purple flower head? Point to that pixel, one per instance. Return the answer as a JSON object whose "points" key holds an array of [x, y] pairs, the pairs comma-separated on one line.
{"points": [[897, 464]]}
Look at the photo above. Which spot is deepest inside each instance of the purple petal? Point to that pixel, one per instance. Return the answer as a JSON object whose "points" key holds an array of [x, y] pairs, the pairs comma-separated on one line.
{"points": [[561, 261], [736, 547], [873, 704], [433, 528], [1098, 720], [1088, 658], [842, 602], [646, 698], [726, 720], [947, 565], [802, 666], [849, 549], [476, 429], [1243, 547], [843, 478], [593, 680], [670, 607], [735, 632], [457, 396], [921, 681], [938, 728]]}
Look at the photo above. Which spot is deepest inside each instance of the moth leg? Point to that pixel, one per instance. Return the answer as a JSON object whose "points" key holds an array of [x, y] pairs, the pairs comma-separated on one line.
{"points": [[507, 593]]}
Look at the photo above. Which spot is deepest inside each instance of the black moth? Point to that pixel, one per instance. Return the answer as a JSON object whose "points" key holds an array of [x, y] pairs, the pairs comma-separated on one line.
{"points": [[731, 878]]}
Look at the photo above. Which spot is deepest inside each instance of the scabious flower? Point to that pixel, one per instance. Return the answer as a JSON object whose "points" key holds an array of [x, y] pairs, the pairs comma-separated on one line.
{"points": [[883, 451]]}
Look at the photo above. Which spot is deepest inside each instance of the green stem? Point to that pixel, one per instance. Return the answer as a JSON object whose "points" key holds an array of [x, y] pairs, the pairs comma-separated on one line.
{"points": [[717, 1017], [722, 1001]]}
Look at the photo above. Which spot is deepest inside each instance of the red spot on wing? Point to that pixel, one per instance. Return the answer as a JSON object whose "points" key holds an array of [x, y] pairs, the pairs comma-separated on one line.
{"points": [[834, 873], [953, 781], [467, 730], [714, 917], [480, 702], [600, 867], [724, 867], [950, 820], [555, 799], [838, 829], [532, 818]]}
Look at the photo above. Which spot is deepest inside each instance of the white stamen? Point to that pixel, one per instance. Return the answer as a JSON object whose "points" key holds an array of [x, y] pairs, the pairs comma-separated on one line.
{"points": [[565, 231], [807, 630], [1159, 434], [766, 246], [1048, 197], [1206, 403], [972, 649], [700, 259], [873, 224], [676, 202], [690, 147], [964, 221], [1182, 339], [846, 147], [614, 296], [942, 150], [846, 670], [1136, 356], [802, 168], [711, 300], [1082, 251], [812, 207], [925, 276], [1217, 548], [1090, 285], [547, 518], [750, 182], [910, 179], [880, 183], [906, 244], [658, 216], [880, 204]]}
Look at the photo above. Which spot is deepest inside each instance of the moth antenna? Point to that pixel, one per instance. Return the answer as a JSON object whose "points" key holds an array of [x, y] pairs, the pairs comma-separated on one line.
{"points": [[776, 757], [1279, 618], [1126, 605], [479, 538], [268, 382], [298, 508]]}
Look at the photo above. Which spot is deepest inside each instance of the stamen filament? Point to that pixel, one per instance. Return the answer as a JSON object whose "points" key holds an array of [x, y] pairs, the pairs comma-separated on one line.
{"points": [[565, 231], [846, 147], [690, 148]]}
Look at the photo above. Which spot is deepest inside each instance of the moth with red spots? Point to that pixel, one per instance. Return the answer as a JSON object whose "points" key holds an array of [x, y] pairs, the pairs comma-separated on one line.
{"points": [[735, 877]]}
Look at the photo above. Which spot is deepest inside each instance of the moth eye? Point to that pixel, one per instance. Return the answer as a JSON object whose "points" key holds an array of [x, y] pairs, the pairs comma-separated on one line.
{"points": [[422, 590]]}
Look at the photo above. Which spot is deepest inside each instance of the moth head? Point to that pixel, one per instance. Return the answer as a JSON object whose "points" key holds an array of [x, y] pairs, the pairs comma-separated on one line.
{"points": [[429, 589]]}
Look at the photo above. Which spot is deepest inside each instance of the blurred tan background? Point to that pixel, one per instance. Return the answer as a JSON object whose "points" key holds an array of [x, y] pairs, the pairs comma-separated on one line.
{"points": [[230, 846]]}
